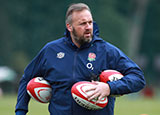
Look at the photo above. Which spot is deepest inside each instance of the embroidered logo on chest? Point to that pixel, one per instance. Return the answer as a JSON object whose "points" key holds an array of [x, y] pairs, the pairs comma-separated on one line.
{"points": [[60, 55], [91, 56]]}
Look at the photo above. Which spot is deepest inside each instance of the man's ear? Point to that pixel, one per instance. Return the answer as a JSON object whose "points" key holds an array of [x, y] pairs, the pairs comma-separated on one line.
{"points": [[69, 27]]}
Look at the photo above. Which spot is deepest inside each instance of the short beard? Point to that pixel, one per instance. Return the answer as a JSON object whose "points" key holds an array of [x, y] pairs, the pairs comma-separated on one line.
{"points": [[80, 40]]}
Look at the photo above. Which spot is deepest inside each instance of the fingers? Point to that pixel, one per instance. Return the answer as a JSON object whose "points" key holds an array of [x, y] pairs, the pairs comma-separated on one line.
{"points": [[100, 98], [93, 96], [98, 92], [91, 92], [90, 89]]}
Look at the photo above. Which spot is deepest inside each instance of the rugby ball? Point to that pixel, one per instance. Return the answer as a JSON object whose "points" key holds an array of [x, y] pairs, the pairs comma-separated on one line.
{"points": [[39, 89], [110, 75], [79, 94]]}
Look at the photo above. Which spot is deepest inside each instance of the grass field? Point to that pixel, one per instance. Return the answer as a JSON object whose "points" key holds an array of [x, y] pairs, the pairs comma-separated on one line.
{"points": [[124, 106]]}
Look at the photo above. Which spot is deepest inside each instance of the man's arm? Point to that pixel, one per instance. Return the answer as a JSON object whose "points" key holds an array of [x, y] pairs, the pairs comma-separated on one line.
{"points": [[34, 69], [133, 80]]}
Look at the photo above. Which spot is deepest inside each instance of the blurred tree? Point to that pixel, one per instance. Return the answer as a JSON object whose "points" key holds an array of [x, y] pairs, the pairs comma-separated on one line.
{"points": [[113, 25], [151, 41], [136, 27], [28, 25]]}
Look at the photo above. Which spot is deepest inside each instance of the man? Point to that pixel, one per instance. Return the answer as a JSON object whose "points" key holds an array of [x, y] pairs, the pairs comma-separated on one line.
{"points": [[66, 61]]}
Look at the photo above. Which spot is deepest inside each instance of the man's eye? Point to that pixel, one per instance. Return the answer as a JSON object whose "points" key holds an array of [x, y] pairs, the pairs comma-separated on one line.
{"points": [[90, 22], [83, 23]]}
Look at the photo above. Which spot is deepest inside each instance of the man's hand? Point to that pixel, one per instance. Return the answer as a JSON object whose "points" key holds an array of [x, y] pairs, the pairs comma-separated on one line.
{"points": [[100, 90]]}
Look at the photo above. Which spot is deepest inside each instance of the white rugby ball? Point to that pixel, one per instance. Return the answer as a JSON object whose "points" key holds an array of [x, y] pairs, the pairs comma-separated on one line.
{"points": [[39, 89], [79, 94]]}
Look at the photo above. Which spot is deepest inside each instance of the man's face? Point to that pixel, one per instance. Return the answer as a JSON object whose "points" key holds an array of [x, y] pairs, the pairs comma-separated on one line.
{"points": [[81, 27]]}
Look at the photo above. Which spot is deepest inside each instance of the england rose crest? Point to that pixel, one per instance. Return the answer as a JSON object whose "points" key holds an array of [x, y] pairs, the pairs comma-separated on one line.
{"points": [[91, 56]]}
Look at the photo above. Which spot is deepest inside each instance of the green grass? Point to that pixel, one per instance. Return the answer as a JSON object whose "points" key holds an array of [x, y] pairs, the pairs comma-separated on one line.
{"points": [[8, 102], [140, 106], [124, 106]]}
